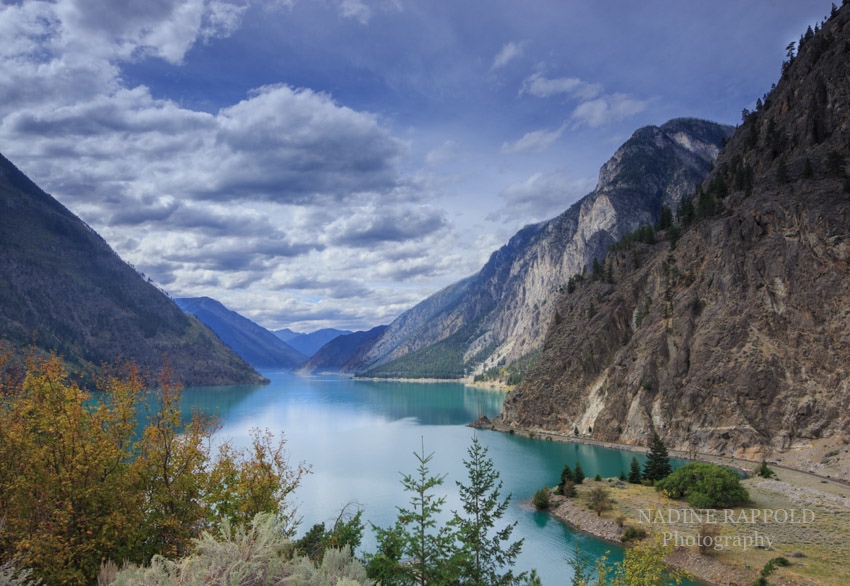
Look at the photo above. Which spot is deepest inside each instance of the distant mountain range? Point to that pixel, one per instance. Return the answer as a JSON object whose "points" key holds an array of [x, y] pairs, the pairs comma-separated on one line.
{"points": [[258, 346], [309, 344], [500, 316], [64, 290], [336, 354]]}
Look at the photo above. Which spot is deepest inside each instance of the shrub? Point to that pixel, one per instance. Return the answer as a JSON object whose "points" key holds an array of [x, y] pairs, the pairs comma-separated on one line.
{"points": [[599, 499], [541, 499], [598, 477], [633, 533], [235, 555], [706, 536], [705, 486], [764, 471], [568, 489], [10, 575]]}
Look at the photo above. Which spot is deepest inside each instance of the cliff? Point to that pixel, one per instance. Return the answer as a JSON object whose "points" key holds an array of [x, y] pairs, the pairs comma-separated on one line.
{"points": [[500, 315], [731, 335]]}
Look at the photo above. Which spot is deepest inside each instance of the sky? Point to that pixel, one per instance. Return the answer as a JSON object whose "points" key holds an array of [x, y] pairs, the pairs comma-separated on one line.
{"points": [[331, 163]]}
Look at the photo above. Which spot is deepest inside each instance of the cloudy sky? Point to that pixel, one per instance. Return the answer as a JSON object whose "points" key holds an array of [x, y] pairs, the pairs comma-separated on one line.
{"points": [[315, 163]]}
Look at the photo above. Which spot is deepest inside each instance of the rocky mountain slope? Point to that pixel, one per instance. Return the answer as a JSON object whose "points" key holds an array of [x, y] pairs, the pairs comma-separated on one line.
{"points": [[64, 290], [256, 345], [500, 315], [731, 335]]}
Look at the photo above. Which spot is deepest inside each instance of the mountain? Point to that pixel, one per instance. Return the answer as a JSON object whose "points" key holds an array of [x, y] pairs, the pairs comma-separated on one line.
{"points": [[309, 344], [500, 315], [335, 355], [286, 334], [256, 345], [731, 335], [64, 290]]}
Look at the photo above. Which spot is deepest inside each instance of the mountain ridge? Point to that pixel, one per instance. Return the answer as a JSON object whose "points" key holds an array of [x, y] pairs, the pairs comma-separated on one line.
{"points": [[502, 311], [256, 345], [64, 290], [732, 335]]}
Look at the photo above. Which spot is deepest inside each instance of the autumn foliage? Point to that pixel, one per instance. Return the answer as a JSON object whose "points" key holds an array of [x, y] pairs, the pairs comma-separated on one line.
{"points": [[119, 475]]}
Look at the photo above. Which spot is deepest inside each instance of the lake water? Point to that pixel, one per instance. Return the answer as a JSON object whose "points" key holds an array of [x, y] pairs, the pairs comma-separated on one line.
{"points": [[359, 436]]}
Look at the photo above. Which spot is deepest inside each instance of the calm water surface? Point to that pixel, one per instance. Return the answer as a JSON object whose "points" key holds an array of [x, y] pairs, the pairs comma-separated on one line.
{"points": [[359, 436]]}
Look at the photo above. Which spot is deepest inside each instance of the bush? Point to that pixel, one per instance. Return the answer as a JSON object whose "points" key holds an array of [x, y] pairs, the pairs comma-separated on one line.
{"points": [[633, 533], [705, 486], [599, 499], [764, 471], [80, 484], [235, 555], [568, 489], [706, 536], [541, 499]]}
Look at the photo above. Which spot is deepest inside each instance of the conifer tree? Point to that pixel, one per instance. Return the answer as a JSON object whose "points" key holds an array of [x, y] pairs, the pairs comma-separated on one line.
{"points": [[658, 462], [416, 536], [486, 553], [578, 474], [566, 474], [634, 471]]}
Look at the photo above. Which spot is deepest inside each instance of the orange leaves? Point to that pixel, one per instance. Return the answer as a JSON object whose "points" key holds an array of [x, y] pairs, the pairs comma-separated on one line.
{"points": [[81, 484]]}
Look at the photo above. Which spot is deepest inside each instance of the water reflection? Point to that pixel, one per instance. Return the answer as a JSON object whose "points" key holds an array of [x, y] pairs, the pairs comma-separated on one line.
{"points": [[359, 437]]}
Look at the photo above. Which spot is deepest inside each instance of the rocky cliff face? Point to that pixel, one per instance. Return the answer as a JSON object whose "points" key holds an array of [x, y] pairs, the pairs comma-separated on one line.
{"points": [[732, 337], [501, 314], [64, 290]]}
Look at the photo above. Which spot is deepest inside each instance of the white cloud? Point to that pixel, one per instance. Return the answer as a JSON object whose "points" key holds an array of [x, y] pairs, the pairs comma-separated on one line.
{"points": [[540, 197], [607, 109], [542, 87], [261, 195], [507, 54], [355, 9], [445, 153], [595, 108], [535, 141]]}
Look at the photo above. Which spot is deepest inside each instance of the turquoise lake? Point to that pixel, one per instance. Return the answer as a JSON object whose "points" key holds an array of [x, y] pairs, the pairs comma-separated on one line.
{"points": [[359, 436]]}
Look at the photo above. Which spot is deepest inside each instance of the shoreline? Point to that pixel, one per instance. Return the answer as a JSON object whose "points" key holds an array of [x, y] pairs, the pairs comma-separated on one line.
{"points": [[467, 381], [740, 464], [830, 497]]}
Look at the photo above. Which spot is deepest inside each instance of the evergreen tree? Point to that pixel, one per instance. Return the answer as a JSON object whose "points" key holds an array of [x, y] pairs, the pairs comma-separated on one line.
{"points": [[665, 218], [634, 471], [658, 462], [416, 537], [566, 474], [578, 474], [486, 550]]}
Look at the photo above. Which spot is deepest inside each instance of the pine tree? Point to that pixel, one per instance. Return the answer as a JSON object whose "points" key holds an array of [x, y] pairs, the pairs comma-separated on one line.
{"points": [[658, 462], [566, 475], [486, 550], [578, 474], [416, 536], [634, 471]]}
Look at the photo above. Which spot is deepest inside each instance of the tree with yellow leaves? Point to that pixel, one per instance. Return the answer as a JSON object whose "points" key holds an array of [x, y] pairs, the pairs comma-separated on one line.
{"points": [[80, 484]]}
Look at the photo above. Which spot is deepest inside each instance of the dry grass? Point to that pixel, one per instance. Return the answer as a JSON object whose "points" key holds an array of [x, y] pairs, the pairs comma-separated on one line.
{"points": [[819, 550]]}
